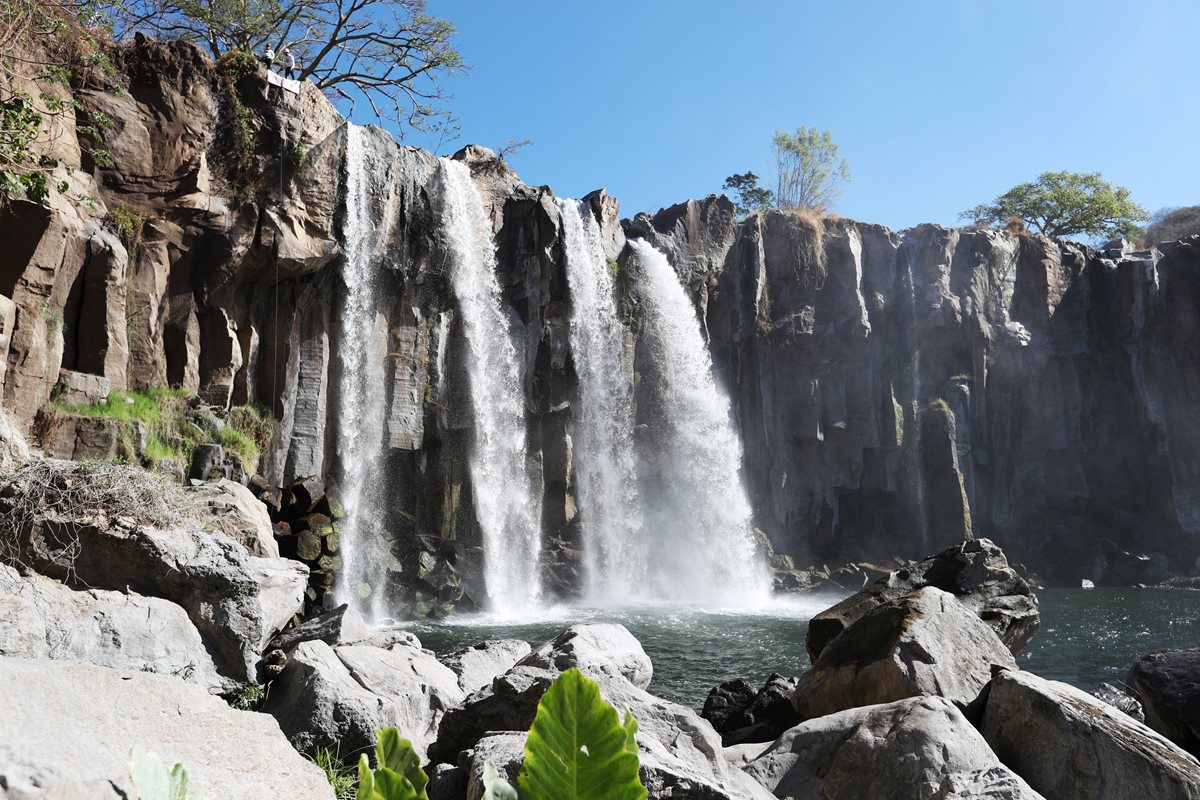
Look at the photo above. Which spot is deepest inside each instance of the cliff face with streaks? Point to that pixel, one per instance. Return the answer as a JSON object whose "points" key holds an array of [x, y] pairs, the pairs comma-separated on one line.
{"points": [[895, 391]]}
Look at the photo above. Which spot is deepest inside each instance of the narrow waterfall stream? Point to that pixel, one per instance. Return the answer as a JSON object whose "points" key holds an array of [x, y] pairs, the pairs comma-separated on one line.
{"points": [[699, 525], [506, 505], [604, 456], [361, 406]]}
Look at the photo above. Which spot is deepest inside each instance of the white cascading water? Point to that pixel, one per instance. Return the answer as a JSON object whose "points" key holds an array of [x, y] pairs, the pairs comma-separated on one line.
{"points": [[700, 521], [361, 407], [615, 557], [506, 505]]}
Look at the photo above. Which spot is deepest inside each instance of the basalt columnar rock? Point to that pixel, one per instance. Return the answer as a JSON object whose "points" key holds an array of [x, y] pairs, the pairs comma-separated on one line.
{"points": [[896, 391]]}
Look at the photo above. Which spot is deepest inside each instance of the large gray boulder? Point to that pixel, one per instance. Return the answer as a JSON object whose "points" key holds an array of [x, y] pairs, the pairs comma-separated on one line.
{"points": [[231, 508], [117, 528], [69, 728], [42, 618], [926, 643], [1168, 685], [597, 649], [1070, 746], [477, 665], [976, 571], [338, 697], [921, 748]]}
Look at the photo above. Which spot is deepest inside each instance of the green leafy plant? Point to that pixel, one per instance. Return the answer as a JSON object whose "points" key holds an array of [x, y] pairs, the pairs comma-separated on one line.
{"points": [[1065, 204], [237, 138], [247, 698], [127, 225], [747, 195], [808, 169], [341, 776], [397, 774], [237, 442], [154, 780]]}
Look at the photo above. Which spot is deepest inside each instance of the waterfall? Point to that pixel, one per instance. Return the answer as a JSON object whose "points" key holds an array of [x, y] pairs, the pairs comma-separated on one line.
{"points": [[605, 462], [699, 524], [506, 506], [361, 390]]}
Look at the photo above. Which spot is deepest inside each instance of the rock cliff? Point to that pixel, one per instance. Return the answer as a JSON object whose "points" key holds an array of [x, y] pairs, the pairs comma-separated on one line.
{"points": [[895, 391]]}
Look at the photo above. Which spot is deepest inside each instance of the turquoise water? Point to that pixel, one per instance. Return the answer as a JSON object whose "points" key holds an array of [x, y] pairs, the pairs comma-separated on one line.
{"points": [[1086, 636]]}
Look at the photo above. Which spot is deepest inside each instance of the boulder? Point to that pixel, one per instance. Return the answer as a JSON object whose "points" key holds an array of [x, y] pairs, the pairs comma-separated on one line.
{"points": [[976, 571], [478, 664], [1168, 685], [338, 697], [1068, 745], [208, 460], [69, 728], [916, 749], [761, 717], [1119, 700], [13, 449], [505, 750], [97, 526], [447, 782], [81, 388], [81, 438], [926, 643], [232, 509], [596, 649], [42, 618]]}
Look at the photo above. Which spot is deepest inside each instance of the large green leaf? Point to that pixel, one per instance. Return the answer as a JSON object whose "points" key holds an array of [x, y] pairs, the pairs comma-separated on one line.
{"points": [[154, 780], [495, 787], [396, 753], [630, 726], [577, 747]]}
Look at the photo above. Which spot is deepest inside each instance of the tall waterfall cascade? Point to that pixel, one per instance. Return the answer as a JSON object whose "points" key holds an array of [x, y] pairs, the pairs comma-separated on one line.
{"points": [[362, 401], [605, 461], [699, 526], [507, 507]]}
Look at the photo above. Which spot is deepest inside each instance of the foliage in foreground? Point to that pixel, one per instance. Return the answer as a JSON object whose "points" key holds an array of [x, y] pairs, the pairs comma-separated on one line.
{"points": [[154, 780], [578, 749], [1065, 204]]}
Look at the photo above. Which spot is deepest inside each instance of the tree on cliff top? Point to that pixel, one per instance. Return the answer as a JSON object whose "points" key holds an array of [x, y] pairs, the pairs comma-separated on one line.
{"points": [[1065, 204], [1169, 224], [808, 169], [389, 54], [748, 196]]}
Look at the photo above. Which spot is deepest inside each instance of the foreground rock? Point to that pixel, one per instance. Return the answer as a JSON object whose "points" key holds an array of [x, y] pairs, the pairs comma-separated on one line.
{"points": [[741, 714], [1168, 685], [927, 643], [975, 571], [681, 754], [118, 528], [915, 749], [69, 728], [42, 618], [1070, 746], [338, 697]]}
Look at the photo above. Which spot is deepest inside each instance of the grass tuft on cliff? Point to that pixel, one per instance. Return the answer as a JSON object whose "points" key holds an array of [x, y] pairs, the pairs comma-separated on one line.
{"points": [[169, 434]]}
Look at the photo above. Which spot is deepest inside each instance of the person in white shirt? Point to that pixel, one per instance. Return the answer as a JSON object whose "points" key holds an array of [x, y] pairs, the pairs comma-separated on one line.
{"points": [[289, 64]]}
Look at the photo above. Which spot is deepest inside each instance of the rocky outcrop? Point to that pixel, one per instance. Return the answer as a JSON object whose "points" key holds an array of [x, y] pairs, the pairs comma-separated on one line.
{"points": [[477, 665], [741, 714], [916, 749], [1168, 686], [596, 649], [69, 729], [926, 643], [976, 572], [1070, 745]]}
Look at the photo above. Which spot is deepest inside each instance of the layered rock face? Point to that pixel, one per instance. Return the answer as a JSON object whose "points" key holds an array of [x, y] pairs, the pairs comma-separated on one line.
{"points": [[895, 392]]}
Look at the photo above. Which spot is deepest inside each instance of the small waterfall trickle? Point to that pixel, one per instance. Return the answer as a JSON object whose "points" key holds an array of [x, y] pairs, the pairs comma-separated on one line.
{"points": [[699, 523], [506, 505], [361, 391], [605, 460]]}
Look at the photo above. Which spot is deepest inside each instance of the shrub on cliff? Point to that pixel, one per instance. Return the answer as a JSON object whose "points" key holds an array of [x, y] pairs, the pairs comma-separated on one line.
{"points": [[808, 169], [1065, 204], [1170, 224]]}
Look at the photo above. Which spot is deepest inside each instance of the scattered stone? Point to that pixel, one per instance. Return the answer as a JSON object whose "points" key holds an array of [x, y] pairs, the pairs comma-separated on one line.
{"points": [[927, 643], [1067, 744], [69, 728], [477, 665], [976, 571], [1168, 685], [916, 749], [1120, 700]]}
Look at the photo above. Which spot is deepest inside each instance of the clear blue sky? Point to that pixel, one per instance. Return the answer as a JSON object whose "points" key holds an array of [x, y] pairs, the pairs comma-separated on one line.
{"points": [[937, 106]]}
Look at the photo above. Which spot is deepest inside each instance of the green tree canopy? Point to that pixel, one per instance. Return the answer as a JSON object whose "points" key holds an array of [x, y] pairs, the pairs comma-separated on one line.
{"points": [[808, 169], [388, 54], [747, 195], [1066, 204], [1169, 224]]}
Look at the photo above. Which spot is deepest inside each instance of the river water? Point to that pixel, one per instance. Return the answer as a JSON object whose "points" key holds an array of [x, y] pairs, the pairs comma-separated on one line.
{"points": [[1087, 636]]}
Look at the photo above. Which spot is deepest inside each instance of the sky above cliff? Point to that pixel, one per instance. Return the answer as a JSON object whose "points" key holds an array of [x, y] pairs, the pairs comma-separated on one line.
{"points": [[937, 105]]}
